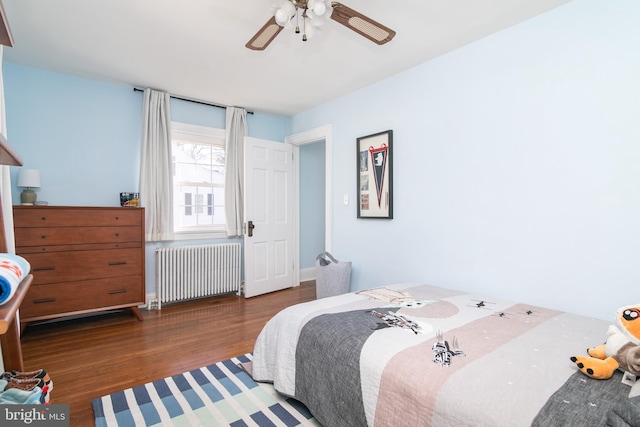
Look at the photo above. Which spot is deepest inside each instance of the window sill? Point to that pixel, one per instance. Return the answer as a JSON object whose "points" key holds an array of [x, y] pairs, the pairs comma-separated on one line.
{"points": [[200, 235]]}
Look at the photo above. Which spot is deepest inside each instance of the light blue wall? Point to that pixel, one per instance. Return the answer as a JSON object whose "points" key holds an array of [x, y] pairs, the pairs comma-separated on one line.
{"points": [[84, 137], [516, 164], [312, 202]]}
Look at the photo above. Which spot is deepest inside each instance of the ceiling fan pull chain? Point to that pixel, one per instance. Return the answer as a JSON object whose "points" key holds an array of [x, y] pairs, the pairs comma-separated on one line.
{"points": [[304, 26]]}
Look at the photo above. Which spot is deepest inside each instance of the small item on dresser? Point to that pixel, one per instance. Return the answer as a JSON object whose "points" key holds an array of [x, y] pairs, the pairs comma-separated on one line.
{"points": [[13, 268], [41, 203], [28, 179], [129, 199]]}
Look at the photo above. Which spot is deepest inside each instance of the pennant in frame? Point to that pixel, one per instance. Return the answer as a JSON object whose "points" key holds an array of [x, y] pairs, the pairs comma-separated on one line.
{"points": [[375, 189]]}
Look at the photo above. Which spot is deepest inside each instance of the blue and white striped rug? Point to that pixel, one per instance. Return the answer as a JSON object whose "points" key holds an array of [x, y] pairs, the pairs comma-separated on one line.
{"points": [[222, 394]]}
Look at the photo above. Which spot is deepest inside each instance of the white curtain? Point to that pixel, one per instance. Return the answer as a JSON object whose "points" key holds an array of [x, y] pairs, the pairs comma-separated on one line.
{"points": [[236, 130], [156, 178], [5, 178], [5, 184]]}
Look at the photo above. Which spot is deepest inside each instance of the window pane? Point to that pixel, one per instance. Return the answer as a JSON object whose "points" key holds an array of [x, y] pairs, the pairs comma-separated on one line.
{"points": [[198, 181], [187, 204]]}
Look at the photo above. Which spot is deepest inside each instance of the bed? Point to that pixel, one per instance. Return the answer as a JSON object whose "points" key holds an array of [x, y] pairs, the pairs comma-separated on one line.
{"points": [[419, 355]]}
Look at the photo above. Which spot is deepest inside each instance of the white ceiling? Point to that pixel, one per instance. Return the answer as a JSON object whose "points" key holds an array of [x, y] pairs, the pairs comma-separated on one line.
{"points": [[195, 48]]}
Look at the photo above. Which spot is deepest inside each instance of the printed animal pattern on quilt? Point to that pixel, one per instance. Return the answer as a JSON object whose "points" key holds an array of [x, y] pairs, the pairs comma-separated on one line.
{"points": [[443, 353]]}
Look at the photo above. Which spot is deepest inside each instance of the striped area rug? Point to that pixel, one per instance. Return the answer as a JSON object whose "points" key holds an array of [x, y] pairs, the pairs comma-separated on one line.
{"points": [[222, 394]]}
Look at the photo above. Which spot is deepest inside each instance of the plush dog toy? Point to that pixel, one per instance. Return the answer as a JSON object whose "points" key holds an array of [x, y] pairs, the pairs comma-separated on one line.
{"points": [[620, 351]]}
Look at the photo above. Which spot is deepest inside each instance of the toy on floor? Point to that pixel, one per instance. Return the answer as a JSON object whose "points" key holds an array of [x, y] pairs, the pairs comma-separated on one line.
{"points": [[620, 351]]}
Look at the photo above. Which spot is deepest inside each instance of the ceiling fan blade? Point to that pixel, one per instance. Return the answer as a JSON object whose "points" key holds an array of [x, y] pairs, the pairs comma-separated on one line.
{"points": [[265, 35], [361, 24]]}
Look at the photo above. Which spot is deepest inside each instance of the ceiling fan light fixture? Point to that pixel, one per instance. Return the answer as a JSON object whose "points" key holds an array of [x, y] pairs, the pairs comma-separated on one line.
{"points": [[284, 13], [281, 17], [318, 7], [313, 14]]}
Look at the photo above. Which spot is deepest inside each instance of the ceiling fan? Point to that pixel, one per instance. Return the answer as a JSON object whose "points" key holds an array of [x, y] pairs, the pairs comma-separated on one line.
{"points": [[310, 14]]}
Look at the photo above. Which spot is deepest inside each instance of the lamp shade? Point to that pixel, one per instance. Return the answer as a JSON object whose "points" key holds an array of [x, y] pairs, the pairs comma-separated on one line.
{"points": [[29, 178]]}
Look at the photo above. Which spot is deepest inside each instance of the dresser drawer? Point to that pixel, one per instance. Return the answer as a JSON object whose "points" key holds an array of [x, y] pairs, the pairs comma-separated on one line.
{"points": [[26, 250], [53, 216], [57, 267], [38, 236], [66, 298]]}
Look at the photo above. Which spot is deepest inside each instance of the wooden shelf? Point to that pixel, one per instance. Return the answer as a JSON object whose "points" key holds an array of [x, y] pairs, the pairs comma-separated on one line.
{"points": [[10, 328], [5, 32], [9, 323], [8, 155], [8, 310]]}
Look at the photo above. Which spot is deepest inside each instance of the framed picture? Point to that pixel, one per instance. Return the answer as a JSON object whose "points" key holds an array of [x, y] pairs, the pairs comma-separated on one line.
{"points": [[375, 175]]}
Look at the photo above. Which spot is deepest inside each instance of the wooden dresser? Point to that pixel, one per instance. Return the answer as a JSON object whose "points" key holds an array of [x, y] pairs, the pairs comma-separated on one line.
{"points": [[83, 259]]}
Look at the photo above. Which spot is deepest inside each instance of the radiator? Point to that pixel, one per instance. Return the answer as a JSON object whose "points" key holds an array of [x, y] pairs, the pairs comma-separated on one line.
{"points": [[190, 272]]}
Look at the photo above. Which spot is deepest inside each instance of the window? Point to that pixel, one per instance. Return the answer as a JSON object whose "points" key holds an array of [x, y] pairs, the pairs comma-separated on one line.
{"points": [[198, 178]]}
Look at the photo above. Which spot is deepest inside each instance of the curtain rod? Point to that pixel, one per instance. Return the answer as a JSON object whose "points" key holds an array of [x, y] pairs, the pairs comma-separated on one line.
{"points": [[195, 101]]}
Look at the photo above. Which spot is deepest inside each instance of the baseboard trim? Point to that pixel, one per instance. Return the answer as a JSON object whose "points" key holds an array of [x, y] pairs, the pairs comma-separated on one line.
{"points": [[307, 274]]}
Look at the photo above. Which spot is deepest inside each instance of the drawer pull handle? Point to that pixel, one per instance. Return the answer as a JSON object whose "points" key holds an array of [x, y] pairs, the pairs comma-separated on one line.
{"points": [[119, 291], [44, 300], [43, 236], [118, 263], [117, 234], [44, 269], [44, 218]]}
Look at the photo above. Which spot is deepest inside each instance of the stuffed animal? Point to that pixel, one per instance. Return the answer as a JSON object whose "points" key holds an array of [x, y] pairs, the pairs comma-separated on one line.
{"points": [[620, 351]]}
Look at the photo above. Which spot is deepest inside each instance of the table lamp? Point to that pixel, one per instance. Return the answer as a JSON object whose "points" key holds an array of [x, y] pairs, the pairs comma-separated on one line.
{"points": [[29, 179]]}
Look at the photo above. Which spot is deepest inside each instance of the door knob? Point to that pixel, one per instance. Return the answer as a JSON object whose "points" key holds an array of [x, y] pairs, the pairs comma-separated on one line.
{"points": [[250, 228]]}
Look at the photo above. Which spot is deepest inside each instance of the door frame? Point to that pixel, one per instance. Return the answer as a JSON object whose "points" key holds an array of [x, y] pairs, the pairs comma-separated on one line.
{"points": [[301, 138]]}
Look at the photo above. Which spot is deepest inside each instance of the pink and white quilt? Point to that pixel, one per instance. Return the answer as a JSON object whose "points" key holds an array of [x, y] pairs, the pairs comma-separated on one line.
{"points": [[411, 354]]}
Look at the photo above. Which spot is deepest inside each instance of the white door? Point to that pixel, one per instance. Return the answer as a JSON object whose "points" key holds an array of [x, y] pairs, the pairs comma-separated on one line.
{"points": [[268, 217]]}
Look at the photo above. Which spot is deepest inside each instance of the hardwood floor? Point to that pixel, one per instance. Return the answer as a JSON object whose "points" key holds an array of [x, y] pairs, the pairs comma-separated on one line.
{"points": [[94, 356]]}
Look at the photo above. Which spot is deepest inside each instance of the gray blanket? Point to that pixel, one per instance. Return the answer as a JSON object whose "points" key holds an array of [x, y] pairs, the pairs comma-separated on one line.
{"points": [[625, 413], [583, 401], [329, 382]]}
